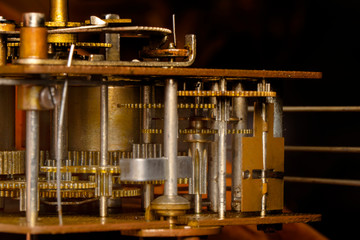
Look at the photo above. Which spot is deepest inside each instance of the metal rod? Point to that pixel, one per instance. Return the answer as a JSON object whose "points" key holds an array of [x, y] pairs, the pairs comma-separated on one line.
{"points": [[213, 160], [343, 182], [174, 32], [240, 112], [322, 149], [148, 189], [170, 136], [264, 161], [222, 153], [59, 152], [103, 142], [317, 108], [32, 165]]}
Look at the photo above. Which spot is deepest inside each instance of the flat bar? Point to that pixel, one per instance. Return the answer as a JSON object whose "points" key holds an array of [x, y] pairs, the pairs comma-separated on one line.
{"points": [[318, 109], [154, 71], [322, 149], [330, 181], [82, 224]]}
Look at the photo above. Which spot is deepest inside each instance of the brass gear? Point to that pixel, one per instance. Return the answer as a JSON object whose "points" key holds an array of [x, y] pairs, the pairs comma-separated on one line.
{"points": [[198, 131], [68, 44], [82, 169], [12, 162], [226, 94], [161, 105], [48, 185]]}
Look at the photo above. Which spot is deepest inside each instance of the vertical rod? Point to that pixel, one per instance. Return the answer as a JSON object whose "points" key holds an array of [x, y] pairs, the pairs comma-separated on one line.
{"points": [[59, 149], [197, 200], [240, 112], [264, 160], [32, 165], [213, 160], [103, 142], [148, 189], [170, 136], [59, 10], [222, 153], [113, 53]]}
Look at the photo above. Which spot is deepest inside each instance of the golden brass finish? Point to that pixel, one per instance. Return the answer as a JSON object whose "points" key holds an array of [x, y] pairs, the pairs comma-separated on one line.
{"points": [[183, 231], [59, 10], [62, 38], [3, 42], [252, 189], [84, 106], [33, 42], [226, 94], [28, 98], [12, 162]]}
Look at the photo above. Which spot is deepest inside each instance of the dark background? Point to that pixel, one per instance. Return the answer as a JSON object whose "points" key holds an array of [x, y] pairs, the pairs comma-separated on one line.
{"points": [[306, 35]]}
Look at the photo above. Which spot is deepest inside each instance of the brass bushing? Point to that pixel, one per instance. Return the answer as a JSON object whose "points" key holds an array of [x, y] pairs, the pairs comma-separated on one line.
{"points": [[170, 205], [33, 36]]}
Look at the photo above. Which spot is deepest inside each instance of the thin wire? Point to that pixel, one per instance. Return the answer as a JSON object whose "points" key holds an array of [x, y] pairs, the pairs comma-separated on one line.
{"points": [[174, 34], [58, 140]]}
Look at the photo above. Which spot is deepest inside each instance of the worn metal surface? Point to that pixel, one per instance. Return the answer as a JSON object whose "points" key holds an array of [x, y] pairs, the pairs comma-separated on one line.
{"points": [[79, 224], [152, 71], [150, 169]]}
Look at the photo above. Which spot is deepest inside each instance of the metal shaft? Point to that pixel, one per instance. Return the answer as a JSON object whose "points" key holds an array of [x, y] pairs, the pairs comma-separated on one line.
{"points": [[213, 160], [148, 189], [113, 53], [103, 142], [59, 10], [264, 161], [240, 112], [170, 136], [322, 149], [32, 165], [222, 153]]}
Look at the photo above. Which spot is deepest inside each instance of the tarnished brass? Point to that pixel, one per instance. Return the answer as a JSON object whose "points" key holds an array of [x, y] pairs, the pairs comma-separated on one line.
{"points": [[33, 42], [252, 189], [28, 98], [84, 119]]}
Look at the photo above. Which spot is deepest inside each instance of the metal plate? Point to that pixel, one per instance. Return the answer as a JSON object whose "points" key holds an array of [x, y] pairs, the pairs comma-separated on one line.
{"points": [[252, 160]]}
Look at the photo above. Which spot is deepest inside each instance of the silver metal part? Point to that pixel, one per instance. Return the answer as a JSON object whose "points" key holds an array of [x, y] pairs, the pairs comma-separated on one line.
{"points": [[152, 169], [222, 132], [103, 142], [113, 53], [170, 136], [213, 159], [240, 112], [33, 19], [32, 166]]}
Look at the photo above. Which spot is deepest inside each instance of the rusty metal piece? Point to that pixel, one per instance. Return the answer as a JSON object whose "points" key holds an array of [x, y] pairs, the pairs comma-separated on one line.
{"points": [[165, 53]]}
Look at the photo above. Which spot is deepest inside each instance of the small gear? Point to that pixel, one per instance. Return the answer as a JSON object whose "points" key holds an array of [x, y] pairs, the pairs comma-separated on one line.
{"points": [[82, 169], [199, 131], [68, 44], [47, 185], [161, 105], [226, 94]]}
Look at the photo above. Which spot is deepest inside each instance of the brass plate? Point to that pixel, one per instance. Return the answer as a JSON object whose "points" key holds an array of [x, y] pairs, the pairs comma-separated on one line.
{"points": [[121, 222], [252, 159]]}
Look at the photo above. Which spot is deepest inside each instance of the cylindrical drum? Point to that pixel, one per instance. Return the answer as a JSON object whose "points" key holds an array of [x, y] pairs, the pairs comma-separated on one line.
{"points": [[84, 118]]}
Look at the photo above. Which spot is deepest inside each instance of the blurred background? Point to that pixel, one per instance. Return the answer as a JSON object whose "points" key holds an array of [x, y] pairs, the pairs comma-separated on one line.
{"points": [[305, 35]]}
